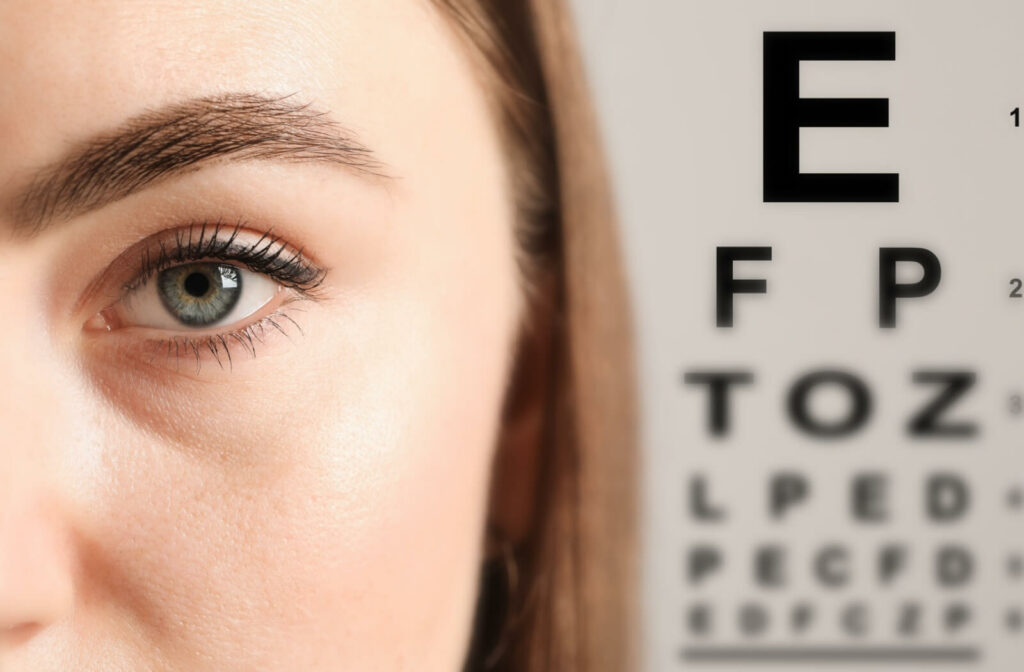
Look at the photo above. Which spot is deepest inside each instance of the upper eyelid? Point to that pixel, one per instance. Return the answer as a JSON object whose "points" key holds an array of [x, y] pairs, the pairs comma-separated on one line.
{"points": [[268, 254], [112, 283]]}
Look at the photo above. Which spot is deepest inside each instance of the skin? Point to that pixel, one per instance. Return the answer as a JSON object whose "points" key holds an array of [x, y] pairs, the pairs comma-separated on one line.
{"points": [[317, 506]]}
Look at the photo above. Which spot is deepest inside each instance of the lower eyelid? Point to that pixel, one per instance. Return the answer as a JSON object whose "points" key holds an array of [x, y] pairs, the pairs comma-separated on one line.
{"points": [[191, 354]]}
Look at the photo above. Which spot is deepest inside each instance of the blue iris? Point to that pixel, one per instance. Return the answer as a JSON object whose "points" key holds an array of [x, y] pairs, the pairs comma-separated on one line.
{"points": [[200, 295]]}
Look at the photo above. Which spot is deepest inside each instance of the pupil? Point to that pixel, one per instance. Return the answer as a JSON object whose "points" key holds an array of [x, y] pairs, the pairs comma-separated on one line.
{"points": [[197, 284]]}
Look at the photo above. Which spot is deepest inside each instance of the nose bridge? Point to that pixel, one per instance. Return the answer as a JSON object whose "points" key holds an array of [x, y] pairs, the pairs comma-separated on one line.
{"points": [[29, 369], [35, 582]]}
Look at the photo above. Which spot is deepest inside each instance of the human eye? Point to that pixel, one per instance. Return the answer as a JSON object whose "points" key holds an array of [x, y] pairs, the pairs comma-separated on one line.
{"points": [[196, 295], [204, 290]]}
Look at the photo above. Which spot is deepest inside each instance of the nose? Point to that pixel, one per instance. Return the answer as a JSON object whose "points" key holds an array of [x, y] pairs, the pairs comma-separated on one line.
{"points": [[35, 581], [35, 584]]}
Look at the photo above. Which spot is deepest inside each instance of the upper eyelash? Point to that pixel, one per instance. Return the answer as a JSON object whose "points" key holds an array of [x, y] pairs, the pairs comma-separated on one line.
{"points": [[267, 255]]}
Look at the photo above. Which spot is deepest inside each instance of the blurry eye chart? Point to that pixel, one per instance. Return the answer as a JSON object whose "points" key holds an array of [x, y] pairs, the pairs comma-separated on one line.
{"points": [[824, 208]]}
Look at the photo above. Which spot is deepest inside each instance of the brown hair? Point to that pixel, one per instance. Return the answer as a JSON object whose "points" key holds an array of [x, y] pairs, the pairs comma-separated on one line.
{"points": [[573, 609]]}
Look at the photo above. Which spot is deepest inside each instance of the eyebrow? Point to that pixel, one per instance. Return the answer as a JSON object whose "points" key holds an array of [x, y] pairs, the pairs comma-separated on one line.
{"points": [[160, 143]]}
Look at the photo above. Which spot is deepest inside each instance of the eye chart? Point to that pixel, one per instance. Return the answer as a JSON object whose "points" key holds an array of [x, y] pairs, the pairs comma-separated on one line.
{"points": [[824, 204]]}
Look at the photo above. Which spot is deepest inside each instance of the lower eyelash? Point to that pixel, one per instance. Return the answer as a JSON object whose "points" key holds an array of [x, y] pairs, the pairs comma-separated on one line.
{"points": [[219, 345]]}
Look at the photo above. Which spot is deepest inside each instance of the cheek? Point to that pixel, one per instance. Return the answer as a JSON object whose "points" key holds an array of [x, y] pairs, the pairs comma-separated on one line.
{"points": [[335, 500]]}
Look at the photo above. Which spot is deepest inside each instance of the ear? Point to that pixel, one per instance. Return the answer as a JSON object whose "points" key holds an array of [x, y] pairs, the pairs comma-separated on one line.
{"points": [[525, 420]]}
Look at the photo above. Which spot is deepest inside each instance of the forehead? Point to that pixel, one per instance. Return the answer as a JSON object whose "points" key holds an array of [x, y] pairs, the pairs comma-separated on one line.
{"points": [[70, 68]]}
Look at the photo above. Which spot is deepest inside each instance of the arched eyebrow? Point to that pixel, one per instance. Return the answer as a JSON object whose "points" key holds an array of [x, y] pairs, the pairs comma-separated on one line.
{"points": [[160, 143]]}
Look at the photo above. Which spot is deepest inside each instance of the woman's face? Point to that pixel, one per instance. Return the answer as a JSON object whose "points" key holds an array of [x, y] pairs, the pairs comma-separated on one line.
{"points": [[258, 286]]}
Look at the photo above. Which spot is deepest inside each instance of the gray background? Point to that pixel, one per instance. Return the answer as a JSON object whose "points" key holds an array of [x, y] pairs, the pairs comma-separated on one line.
{"points": [[678, 87]]}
